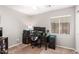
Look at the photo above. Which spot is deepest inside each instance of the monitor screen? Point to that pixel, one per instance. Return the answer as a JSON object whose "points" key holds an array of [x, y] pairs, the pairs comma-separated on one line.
{"points": [[39, 29]]}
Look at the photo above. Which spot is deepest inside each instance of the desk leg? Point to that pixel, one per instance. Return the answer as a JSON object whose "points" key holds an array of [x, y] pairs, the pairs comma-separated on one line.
{"points": [[1, 47], [45, 43], [45, 46]]}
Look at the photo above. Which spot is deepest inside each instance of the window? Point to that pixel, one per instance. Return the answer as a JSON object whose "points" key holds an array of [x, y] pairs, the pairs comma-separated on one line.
{"points": [[65, 28], [60, 25], [55, 27]]}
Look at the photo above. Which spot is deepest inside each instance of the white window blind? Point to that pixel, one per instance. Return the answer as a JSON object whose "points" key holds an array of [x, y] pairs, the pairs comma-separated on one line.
{"points": [[60, 25]]}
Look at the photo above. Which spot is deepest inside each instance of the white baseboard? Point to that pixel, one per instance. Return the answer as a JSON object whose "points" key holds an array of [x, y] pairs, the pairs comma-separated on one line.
{"points": [[65, 47], [15, 45]]}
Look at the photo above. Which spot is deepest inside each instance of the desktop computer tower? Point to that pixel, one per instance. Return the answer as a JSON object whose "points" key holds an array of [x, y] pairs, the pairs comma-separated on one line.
{"points": [[52, 42]]}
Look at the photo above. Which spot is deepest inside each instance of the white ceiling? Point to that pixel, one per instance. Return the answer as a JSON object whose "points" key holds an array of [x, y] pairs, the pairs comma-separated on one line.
{"points": [[34, 10]]}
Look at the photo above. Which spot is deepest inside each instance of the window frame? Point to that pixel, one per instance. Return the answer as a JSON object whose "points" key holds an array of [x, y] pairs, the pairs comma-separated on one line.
{"points": [[59, 21]]}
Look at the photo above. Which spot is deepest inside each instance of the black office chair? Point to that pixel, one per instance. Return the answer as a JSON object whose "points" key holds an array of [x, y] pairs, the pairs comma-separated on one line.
{"points": [[35, 39]]}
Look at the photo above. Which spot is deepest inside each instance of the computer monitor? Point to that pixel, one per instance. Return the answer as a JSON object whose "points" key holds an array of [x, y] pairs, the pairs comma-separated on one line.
{"points": [[40, 29]]}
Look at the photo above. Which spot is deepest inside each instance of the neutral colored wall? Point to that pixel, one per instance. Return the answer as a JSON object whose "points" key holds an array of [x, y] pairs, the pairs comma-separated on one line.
{"points": [[13, 24], [44, 20], [77, 27]]}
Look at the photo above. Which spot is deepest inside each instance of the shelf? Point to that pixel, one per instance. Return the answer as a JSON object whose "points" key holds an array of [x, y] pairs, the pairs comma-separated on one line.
{"points": [[3, 45]]}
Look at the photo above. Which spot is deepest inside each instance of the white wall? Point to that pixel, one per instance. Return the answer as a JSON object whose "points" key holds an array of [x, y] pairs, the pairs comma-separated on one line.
{"points": [[13, 24], [77, 28], [43, 20]]}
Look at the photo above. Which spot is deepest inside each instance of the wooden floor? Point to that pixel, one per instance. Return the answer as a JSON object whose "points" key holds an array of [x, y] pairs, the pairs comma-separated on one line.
{"points": [[27, 49]]}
